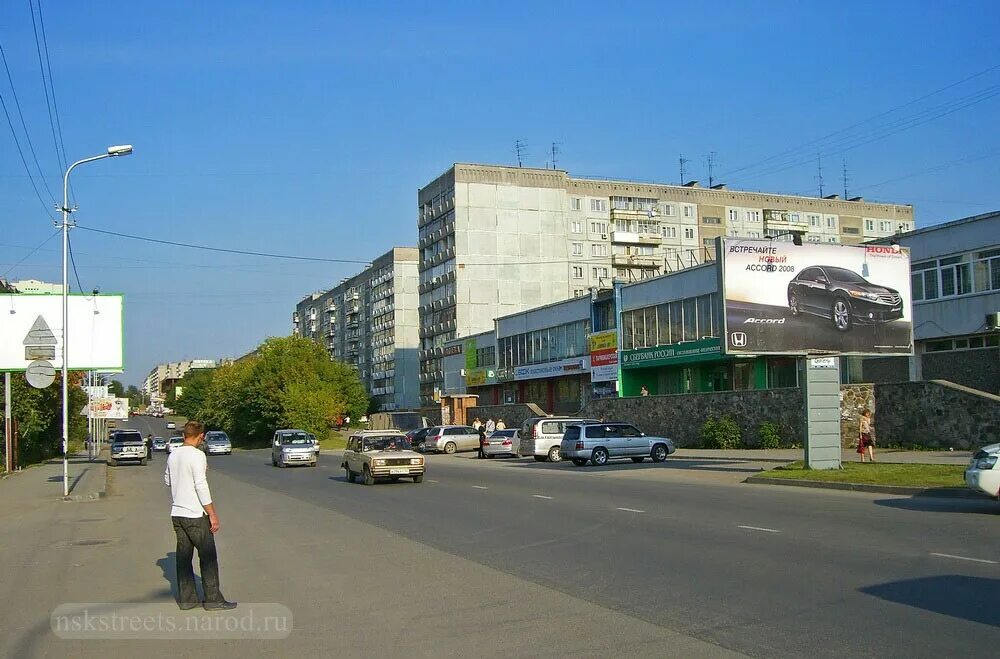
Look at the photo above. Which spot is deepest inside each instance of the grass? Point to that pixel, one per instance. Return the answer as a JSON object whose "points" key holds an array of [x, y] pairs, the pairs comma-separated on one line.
{"points": [[335, 441], [879, 473]]}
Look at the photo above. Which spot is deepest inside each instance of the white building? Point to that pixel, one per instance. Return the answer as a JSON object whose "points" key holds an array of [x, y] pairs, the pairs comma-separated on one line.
{"points": [[34, 286]]}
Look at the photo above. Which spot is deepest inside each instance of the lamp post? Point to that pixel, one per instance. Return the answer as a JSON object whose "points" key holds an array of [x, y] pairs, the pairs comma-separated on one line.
{"points": [[113, 151]]}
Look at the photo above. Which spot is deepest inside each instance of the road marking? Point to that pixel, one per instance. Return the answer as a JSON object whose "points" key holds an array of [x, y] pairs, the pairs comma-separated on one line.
{"points": [[480, 487], [759, 528], [631, 510], [964, 558], [432, 481], [540, 496]]}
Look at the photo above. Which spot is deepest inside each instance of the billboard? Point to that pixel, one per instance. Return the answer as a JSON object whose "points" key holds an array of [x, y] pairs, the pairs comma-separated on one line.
{"points": [[782, 298], [31, 330], [106, 408], [604, 356]]}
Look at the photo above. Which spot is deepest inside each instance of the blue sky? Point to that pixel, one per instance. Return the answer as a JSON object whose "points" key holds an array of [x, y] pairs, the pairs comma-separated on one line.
{"points": [[307, 127]]}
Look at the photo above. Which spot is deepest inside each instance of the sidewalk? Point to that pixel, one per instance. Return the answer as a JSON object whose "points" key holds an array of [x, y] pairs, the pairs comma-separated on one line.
{"points": [[43, 482], [848, 455]]}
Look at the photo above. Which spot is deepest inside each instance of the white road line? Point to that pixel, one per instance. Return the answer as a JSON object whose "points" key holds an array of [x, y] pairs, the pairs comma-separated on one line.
{"points": [[540, 496], [759, 528], [480, 487], [964, 558], [432, 481], [631, 510]]}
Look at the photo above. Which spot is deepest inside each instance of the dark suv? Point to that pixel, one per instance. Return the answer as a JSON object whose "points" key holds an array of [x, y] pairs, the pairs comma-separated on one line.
{"points": [[843, 296]]}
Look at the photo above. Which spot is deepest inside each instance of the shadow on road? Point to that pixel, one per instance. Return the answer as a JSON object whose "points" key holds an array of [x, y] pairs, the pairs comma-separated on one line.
{"points": [[978, 506], [169, 566], [725, 466], [952, 595]]}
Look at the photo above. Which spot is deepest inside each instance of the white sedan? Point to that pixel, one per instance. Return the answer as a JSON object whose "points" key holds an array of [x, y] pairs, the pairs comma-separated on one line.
{"points": [[171, 425], [983, 472]]}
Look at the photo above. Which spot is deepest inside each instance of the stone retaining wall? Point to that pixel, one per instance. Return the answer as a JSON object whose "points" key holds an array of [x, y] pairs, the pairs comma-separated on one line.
{"points": [[935, 414]]}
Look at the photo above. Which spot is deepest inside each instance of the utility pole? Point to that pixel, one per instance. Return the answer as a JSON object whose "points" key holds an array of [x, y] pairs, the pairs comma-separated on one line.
{"points": [[711, 168], [520, 147], [683, 162], [819, 173], [844, 163], [8, 424], [555, 153]]}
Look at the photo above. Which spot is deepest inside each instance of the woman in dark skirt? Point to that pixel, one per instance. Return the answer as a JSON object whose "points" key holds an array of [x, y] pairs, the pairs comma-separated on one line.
{"points": [[866, 439]]}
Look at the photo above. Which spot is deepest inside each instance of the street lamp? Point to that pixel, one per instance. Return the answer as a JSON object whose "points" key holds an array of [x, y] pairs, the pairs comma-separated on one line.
{"points": [[113, 151]]}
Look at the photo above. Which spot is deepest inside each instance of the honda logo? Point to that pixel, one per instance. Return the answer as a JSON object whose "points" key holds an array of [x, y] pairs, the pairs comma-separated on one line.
{"points": [[738, 339]]}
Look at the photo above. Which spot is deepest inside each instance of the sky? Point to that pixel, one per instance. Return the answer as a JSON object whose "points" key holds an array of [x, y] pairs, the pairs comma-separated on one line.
{"points": [[306, 128]]}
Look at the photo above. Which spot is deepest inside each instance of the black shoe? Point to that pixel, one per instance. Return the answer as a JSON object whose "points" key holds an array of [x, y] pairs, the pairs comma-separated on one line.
{"points": [[187, 606], [219, 606]]}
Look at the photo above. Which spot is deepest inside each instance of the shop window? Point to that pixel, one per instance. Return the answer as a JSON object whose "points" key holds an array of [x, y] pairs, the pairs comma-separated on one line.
{"points": [[676, 326], [743, 376], [649, 315], [938, 346], [690, 319], [639, 329], [663, 324], [628, 342], [782, 372]]}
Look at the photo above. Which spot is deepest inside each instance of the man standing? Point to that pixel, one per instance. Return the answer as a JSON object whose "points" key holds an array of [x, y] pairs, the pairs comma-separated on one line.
{"points": [[195, 521]]}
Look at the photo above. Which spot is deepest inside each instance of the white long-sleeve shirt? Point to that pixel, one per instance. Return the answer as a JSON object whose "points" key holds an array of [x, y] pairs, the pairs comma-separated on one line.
{"points": [[187, 478]]}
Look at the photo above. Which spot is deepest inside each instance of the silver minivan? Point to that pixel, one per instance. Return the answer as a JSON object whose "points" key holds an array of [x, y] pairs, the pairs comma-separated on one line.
{"points": [[291, 446], [600, 442], [450, 439], [541, 435]]}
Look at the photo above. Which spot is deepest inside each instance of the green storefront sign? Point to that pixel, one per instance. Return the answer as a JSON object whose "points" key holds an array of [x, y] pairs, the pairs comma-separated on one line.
{"points": [[471, 355], [677, 353]]}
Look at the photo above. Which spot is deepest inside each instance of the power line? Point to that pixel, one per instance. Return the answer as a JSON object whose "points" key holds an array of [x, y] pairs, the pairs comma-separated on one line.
{"points": [[69, 244], [29, 254], [52, 85], [24, 162], [24, 125]]}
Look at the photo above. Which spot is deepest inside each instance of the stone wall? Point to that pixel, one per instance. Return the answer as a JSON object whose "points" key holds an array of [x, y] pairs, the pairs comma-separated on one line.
{"points": [[513, 415], [680, 416], [853, 399], [979, 369], [935, 414]]}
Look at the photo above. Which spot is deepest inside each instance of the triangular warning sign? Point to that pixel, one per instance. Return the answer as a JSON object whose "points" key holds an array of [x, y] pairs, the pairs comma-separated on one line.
{"points": [[40, 334]]}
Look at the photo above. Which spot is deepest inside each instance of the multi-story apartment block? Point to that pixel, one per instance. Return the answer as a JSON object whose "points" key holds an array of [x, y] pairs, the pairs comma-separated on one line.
{"points": [[370, 321], [497, 240], [164, 376]]}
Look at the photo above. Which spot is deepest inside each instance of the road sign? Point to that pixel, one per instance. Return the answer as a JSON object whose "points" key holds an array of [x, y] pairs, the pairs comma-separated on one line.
{"points": [[40, 374]]}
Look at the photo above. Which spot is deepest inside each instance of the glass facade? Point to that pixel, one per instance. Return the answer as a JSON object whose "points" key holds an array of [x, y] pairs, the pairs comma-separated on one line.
{"points": [[545, 345], [689, 319]]}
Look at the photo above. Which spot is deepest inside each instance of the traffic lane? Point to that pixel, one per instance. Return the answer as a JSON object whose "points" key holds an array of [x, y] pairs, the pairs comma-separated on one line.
{"points": [[738, 586]]}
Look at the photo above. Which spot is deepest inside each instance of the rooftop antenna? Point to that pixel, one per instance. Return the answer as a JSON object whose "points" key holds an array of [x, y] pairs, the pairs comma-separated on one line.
{"points": [[844, 164], [555, 153], [711, 168], [819, 172], [520, 148], [683, 162]]}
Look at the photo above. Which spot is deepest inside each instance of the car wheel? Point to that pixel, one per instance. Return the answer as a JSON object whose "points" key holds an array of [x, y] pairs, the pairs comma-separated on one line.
{"points": [[554, 454], [350, 475], [659, 453], [638, 460], [369, 477], [841, 314], [419, 478], [281, 463], [793, 304], [539, 458], [274, 463], [600, 456], [450, 448], [580, 462], [143, 462]]}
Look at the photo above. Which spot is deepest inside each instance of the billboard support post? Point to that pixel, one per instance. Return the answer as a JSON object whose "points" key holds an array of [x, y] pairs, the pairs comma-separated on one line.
{"points": [[8, 427], [821, 393]]}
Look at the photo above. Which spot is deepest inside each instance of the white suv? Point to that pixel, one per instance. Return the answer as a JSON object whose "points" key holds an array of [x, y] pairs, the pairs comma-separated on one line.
{"points": [[983, 472], [540, 436], [600, 442]]}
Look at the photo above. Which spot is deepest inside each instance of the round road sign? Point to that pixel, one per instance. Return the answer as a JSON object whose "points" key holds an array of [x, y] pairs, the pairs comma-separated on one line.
{"points": [[40, 374]]}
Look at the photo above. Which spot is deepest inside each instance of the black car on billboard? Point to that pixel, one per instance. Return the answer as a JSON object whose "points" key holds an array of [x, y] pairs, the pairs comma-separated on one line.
{"points": [[843, 296]]}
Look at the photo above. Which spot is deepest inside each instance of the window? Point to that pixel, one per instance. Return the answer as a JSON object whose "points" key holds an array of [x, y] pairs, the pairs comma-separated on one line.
{"points": [[599, 227], [689, 233], [851, 231], [600, 273], [869, 225], [793, 217], [753, 216], [576, 203], [690, 319], [577, 272], [667, 210], [711, 220], [599, 205], [813, 220], [577, 292], [669, 232], [734, 215], [831, 222], [689, 211], [576, 227], [956, 278], [885, 227], [598, 250], [831, 239], [639, 329], [577, 249]]}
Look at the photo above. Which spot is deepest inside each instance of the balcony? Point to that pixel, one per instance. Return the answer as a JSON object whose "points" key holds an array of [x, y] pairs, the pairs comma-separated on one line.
{"points": [[635, 261], [331, 330], [636, 238], [630, 214]]}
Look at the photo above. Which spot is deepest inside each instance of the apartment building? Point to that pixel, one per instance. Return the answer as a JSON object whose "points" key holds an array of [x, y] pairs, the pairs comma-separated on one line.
{"points": [[370, 321], [496, 240], [36, 287], [164, 376]]}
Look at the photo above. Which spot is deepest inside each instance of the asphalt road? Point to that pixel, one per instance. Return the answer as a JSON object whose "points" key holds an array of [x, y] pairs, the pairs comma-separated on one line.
{"points": [[760, 570]]}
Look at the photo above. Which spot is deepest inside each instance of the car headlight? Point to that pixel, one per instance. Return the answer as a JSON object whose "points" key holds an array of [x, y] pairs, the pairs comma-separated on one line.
{"points": [[416, 461], [986, 463], [865, 295], [378, 463]]}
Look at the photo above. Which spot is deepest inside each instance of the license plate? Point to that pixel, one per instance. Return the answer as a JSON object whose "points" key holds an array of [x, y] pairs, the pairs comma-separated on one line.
{"points": [[399, 470]]}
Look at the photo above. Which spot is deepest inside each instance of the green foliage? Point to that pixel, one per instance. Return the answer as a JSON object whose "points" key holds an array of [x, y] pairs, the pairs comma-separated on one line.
{"points": [[117, 389], [194, 390], [289, 382], [134, 396], [770, 435], [38, 413], [721, 434]]}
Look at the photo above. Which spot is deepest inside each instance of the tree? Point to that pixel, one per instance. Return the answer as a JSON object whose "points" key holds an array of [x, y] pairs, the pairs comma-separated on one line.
{"points": [[194, 389], [134, 396], [117, 389], [38, 413]]}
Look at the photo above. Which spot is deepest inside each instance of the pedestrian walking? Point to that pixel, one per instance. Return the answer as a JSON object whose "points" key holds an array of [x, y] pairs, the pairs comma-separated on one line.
{"points": [[491, 426], [501, 425], [482, 441], [195, 522], [644, 391], [149, 446], [866, 436], [477, 424], [347, 421]]}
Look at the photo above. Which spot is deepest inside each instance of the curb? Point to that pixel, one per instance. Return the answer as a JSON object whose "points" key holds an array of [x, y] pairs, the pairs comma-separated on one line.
{"points": [[941, 492], [100, 493], [731, 459]]}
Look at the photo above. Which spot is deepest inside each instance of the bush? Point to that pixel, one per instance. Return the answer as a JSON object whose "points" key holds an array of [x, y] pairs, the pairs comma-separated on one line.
{"points": [[721, 433], [770, 435]]}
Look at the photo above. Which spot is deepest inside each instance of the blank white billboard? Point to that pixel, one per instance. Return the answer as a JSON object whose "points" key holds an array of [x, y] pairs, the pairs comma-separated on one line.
{"points": [[31, 329]]}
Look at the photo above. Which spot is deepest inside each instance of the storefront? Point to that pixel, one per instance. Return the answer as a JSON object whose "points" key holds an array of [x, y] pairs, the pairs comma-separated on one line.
{"points": [[560, 387]]}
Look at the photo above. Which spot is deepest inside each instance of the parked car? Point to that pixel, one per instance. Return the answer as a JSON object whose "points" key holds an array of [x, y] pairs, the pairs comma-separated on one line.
{"points": [[217, 443], [502, 442], [174, 443], [600, 442], [373, 454], [171, 425], [291, 446], [128, 445], [983, 473], [159, 444], [541, 436], [417, 436], [449, 439], [843, 296]]}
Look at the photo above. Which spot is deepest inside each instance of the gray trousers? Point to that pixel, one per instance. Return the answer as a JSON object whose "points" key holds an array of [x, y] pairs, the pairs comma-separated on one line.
{"points": [[196, 533]]}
